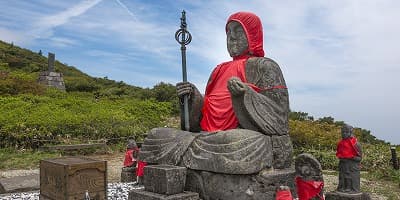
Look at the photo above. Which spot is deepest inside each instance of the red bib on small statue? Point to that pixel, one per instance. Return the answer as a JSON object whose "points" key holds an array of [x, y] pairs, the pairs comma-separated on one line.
{"points": [[284, 195], [129, 159], [347, 148], [217, 109], [308, 189]]}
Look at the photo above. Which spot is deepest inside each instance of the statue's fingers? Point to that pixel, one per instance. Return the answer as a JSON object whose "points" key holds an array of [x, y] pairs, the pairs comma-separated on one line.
{"points": [[184, 91]]}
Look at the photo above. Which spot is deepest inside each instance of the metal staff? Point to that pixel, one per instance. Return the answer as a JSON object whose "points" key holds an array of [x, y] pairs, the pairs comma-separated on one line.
{"points": [[183, 37]]}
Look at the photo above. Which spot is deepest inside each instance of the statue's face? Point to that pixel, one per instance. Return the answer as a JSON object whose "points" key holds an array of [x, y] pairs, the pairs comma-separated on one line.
{"points": [[347, 132], [236, 39]]}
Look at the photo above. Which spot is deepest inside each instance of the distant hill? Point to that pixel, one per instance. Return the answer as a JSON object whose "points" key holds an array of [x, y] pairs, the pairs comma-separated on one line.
{"points": [[91, 108], [19, 70]]}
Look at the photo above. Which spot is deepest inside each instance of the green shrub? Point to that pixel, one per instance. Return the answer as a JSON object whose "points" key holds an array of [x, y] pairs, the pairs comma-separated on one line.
{"points": [[26, 119]]}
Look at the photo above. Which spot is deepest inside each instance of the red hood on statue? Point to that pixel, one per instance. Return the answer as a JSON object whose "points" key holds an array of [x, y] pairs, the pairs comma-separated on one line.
{"points": [[217, 111], [254, 31]]}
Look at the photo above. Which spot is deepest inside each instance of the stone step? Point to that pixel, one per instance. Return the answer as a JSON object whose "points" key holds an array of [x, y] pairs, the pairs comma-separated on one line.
{"points": [[19, 184]]}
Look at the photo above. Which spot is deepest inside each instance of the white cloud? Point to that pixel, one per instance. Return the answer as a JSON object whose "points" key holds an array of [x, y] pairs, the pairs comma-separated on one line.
{"points": [[12, 36], [44, 26]]}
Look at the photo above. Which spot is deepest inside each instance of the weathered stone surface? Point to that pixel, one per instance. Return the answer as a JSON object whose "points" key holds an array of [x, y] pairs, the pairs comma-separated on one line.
{"points": [[211, 186], [19, 184], [51, 59], [282, 151], [164, 179], [145, 195], [52, 79], [128, 174], [70, 178], [236, 151], [308, 169], [346, 196], [165, 146]]}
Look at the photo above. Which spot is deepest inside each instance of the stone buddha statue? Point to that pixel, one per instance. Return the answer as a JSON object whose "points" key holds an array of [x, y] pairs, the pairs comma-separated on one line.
{"points": [[240, 126]]}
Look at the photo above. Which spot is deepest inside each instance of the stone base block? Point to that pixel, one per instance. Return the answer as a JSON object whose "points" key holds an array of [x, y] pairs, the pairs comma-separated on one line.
{"points": [[259, 186], [164, 179], [145, 195], [346, 196], [282, 150], [19, 184], [128, 174]]}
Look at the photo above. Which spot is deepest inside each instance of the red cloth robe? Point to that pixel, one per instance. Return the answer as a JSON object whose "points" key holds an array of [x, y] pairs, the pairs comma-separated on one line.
{"points": [[129, 159], [217, 111], [308, 189], [140, 168], [347, 148]]}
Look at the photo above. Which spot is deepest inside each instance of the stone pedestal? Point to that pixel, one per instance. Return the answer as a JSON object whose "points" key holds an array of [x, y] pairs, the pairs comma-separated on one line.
{"points": [[52, 79], [145, 195], [346, 196], [163, 182], [71, 177], [128, 174], [164, 179], [259, 186]]}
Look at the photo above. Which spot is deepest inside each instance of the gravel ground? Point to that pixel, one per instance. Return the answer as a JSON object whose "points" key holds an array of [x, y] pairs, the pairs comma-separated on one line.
{"points": [[115, 191]]}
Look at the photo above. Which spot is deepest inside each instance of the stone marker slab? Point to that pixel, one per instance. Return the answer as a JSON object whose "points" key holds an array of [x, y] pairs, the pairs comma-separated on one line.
{"points": [[164, 179], [19, 184], [145, 195], [345, 196], [51, 59]]}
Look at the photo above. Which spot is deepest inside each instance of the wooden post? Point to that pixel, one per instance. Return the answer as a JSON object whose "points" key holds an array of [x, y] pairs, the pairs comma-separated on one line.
{"points": [[395, 160]]}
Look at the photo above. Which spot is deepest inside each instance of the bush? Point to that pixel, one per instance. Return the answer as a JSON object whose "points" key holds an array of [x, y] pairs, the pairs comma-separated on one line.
{"points": [[13, 84], [25, 119]]}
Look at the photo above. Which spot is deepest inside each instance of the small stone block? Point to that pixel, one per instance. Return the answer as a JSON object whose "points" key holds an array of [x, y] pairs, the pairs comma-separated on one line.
{"points": [[128, 174], [164, 179], [145, 195], [346, 196], [19, 184]]}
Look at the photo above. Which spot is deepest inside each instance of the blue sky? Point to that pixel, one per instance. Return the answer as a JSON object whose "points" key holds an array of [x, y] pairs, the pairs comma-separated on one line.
{"points": [[339, 58]]}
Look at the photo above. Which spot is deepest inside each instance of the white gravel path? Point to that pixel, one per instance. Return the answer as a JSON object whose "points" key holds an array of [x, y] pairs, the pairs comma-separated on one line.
{"points": [[115, 191]]}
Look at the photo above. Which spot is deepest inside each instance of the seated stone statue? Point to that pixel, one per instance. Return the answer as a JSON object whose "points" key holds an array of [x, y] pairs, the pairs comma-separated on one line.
{"points": [[240, 126], [350, 155]]}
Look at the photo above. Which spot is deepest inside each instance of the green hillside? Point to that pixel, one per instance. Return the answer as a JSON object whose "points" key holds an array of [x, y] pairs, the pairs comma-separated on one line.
{"points": [[90, 109], [20, 69]]}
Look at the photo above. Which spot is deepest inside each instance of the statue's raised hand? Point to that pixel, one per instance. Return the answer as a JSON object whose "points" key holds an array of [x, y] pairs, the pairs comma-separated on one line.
{"points": [[184, 88], [236, 86]]}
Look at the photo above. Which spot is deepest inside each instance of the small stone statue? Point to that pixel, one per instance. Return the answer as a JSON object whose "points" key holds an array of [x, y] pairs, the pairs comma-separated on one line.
{"points": [[349, 154], [131, 154], [128, 172], [309, 179]]}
